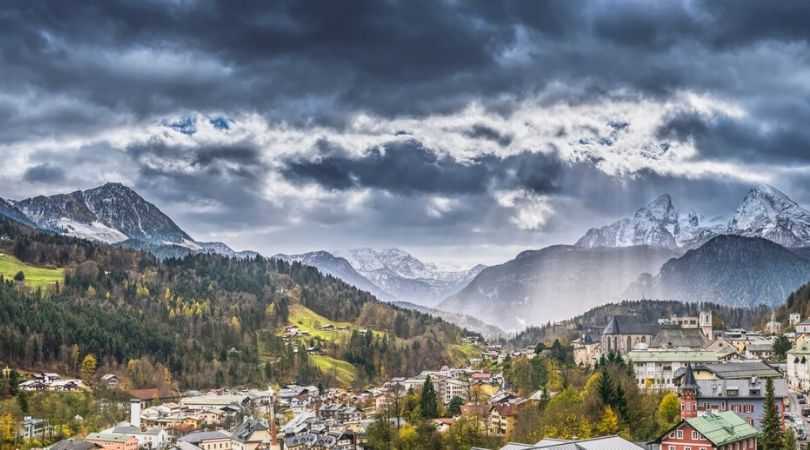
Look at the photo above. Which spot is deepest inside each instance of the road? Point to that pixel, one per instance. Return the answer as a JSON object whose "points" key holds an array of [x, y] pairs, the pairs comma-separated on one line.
{"points": [[795, 409]]}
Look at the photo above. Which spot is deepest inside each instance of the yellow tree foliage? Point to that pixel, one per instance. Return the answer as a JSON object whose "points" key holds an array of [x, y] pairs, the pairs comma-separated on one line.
{"points": [[88, 370], [669, 411], [7, 427], [609, 423]]}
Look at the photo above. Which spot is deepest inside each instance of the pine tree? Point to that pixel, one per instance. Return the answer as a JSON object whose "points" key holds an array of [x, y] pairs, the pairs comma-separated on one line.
{"points": [[428, 402], [772, 435], [605, 388]]}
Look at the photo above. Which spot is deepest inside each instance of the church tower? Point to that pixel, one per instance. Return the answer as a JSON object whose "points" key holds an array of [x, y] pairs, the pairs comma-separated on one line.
{"points": [[688, 392]]}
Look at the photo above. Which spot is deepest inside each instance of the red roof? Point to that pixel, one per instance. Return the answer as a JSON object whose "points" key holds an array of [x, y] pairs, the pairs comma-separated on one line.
{"points": [[145, 394]]}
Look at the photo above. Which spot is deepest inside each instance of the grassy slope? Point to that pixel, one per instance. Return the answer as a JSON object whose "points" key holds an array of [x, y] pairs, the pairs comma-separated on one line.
{"points": [[311, 322], [343, 371], [34, 276]]}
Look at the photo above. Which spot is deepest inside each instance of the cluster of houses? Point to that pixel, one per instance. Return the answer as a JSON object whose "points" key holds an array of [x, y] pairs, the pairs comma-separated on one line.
{"points": [[49, 381], [719, 374]]}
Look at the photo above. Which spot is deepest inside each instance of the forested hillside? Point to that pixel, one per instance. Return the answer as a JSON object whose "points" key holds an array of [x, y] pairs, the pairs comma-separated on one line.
{"points": [[209, 320]]}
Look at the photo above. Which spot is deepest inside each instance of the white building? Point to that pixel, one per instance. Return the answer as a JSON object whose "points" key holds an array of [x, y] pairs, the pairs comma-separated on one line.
{"points": [[803, 327], [798, 367], [794, 319], [655, 369]]}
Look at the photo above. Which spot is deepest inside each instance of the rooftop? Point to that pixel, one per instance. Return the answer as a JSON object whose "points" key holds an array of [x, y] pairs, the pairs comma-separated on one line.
{"points": [[640, 356], [722, 428], [629, 325]]}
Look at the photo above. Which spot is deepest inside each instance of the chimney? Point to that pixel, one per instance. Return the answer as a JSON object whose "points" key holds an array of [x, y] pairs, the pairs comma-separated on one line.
{"points": [[135, 413]]}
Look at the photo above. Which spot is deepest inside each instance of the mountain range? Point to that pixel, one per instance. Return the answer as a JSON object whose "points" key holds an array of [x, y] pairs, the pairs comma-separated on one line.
{"points": [[765, 212], [390, 274], [756, 256]]}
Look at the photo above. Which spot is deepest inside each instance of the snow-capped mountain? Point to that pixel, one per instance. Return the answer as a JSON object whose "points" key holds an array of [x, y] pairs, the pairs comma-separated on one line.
{"points": [[338, 267], [114, 214], [764, 212], [109, 213], [768, 213], [406, 277]]}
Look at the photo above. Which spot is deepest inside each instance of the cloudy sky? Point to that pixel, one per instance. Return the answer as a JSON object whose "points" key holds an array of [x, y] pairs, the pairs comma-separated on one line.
{"points": [[462, 131]]}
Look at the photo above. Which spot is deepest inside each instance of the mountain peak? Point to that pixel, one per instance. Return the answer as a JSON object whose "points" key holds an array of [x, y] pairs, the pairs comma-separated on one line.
{"points": [[110, 213]]}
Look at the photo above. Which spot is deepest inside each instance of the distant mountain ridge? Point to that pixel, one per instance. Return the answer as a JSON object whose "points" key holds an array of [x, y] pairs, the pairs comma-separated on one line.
{"points": [[330, 264], [731, 270], [390, 274], [554, 283], [764, 212], [400, 276], [112, 214]]}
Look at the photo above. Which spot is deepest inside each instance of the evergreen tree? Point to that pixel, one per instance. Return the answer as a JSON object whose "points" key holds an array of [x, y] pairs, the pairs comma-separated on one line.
{"points": [[605, 388], [428, 402], [772, 435], [454, 407]]}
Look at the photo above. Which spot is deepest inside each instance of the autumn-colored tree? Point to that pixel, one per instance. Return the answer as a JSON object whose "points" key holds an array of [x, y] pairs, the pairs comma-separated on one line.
{"points": [[7, 427], [668, 411], [88, 370], [609, 423]]}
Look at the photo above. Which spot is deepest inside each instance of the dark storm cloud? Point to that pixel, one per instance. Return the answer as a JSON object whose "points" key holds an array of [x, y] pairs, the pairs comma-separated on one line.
{"points": [[323, 60], [481, 131], [408, 167], [72, 70], [777, 141], [228, 177], [44, 173]]}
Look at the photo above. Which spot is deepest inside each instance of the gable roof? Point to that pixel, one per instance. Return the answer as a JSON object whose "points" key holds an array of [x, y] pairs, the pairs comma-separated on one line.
{"points": [[722, 428], [629, 325]]}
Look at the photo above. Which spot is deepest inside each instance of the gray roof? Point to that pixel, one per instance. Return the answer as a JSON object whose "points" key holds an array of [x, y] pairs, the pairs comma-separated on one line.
{"points": [[679, 337], [600, 443], [199, 436], [624, 325], [744, 389], [74, 444], [740, 369], [248, 427]]}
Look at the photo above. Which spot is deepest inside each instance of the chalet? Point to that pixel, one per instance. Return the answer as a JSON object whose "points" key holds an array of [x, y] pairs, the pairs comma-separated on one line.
{"points": [[713, 431], [110, 380]]}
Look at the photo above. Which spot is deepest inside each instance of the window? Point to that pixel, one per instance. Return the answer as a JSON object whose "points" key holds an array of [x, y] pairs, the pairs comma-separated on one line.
{"points": [[680, 434], [671, 447], [695, 436]]}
